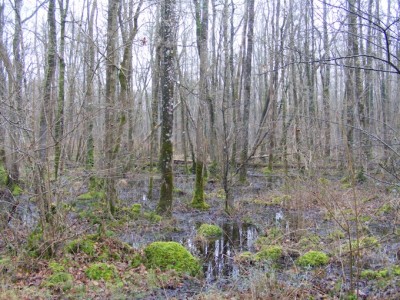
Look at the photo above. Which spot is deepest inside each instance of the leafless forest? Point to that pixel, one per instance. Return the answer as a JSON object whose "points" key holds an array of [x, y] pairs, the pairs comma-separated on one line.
{"points": [[95, 94]]}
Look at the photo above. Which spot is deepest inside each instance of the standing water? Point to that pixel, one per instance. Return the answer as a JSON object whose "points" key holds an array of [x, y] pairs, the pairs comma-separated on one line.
{"points": [[218, 255]]}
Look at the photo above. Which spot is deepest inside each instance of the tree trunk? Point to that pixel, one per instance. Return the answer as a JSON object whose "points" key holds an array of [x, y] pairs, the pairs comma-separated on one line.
{"points": [[201, 11], [59, 126], [110, 115], [247, 69], [168, 42]]}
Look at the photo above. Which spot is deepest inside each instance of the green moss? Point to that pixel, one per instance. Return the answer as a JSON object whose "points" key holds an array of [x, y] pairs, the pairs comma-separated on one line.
{"points": [[34, 242], [153, 217], [267, 171], [324, 181], [370, 274], [245, 257], [280, 199], [136, 208], [370, 242], [310, 241], [336, 235], [171, 255], [210, 231], [385, 209], [85, 245], [396, 270], [3, 176], [136, 260], [313, 259], [101, 270], [272, 253], [91, 195], [198, 200], [16, 190], [59, 280], [55, 267]]}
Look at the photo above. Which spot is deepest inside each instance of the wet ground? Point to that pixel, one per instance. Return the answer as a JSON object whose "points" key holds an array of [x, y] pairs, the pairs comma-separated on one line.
{"points": [[305, 216]]}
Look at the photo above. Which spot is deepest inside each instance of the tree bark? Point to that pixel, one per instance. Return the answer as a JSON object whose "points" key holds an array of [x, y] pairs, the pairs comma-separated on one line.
{"points": [[168, 41]]}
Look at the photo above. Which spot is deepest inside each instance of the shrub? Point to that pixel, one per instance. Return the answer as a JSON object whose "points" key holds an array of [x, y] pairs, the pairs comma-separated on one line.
{"points": [[171, 255], [313, 259]]}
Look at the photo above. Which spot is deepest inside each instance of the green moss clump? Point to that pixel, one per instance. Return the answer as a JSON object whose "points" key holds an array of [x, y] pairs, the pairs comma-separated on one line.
{"points": [[103, 271], [136, 209], [171, 255], [16, 190], [370, 274], [85, 245], [272, 253], [313, 259], [210, 231], [91, 195], [59, 280]]}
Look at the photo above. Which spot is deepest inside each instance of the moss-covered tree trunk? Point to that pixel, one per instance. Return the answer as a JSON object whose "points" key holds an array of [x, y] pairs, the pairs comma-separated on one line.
{"points": [[89, 97], [59, 126], [110, 114], [168, 40], [201, 12]]}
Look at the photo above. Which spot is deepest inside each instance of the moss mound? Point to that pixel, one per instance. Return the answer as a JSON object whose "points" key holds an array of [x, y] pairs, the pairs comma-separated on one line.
{"points": [[210, 231], [272, 253], [313, 259], [171, 255]]}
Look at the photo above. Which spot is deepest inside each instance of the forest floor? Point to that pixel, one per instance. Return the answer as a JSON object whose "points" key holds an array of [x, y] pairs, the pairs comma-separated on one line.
{"points": [[290, 237]]}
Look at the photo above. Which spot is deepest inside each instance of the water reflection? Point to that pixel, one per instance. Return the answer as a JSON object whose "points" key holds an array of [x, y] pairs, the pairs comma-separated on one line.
{"points": [[219, 255]]}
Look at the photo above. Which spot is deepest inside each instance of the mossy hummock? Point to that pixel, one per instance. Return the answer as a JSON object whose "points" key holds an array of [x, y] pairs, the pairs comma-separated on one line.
{"points": [[313, 259], [171, 255], [210, 231]]}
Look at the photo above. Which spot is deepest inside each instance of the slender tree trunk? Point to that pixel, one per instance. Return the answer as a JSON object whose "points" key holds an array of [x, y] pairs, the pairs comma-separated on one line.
{"points": [[325, 72], [201, 10], [110, 114], [168, 42], [247, 90], [59, 124], [90, 76]]}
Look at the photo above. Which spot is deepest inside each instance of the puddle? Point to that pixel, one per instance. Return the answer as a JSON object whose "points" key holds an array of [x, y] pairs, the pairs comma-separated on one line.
{"points": [[218, 256]]}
